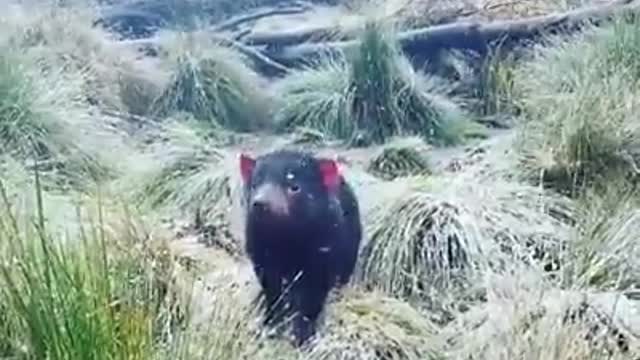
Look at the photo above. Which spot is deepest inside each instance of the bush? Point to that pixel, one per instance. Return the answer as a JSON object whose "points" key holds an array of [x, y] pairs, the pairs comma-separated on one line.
{"points": [[579, 99], [214, 83], [374, 94]]}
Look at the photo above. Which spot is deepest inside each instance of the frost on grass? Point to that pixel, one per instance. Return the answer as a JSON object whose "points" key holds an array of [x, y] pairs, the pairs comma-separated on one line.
{"points": [[213, 82], [580, 100], [370, 95], [437, 238]]}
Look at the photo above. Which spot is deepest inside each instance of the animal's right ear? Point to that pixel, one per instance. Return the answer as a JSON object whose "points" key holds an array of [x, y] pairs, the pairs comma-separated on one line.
{"points": [[247, 163]]}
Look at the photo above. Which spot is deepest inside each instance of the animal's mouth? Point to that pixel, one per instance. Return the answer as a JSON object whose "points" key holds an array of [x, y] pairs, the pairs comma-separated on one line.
{"points": [[269, 217], [277, 223]]}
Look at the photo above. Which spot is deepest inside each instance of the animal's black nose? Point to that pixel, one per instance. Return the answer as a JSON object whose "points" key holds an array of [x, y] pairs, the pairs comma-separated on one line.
{"points": [[260, 205]]}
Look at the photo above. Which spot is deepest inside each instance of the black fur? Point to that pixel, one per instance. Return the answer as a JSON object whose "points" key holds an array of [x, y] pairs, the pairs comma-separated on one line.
{"points": [[318, 241]]}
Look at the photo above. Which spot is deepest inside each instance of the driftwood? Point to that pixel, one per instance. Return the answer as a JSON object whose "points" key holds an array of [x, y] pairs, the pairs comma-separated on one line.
{"points": [[427, 43]]}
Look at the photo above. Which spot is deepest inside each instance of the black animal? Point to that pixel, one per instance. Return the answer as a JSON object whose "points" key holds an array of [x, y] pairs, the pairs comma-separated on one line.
{"points": [[302, 231]]}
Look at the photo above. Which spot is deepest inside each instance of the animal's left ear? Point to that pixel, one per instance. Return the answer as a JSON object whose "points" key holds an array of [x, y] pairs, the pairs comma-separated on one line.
{"points": [[330, 173], [247, 163]]}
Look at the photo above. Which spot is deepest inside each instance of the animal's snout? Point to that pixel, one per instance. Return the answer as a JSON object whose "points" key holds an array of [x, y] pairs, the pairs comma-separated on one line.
{"points": [[260, 205], [270, 199]]}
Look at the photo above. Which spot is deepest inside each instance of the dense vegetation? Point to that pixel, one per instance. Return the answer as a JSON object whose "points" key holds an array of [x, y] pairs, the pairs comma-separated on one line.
{"points": [[119, 209]]}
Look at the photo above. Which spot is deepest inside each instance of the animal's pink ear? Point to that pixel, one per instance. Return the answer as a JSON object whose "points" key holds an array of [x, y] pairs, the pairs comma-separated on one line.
{"points": [[330, 173], [246, 166]]}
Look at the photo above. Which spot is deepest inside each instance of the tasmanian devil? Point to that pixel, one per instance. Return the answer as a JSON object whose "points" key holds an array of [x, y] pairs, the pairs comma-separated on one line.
{"points": [[302, 232]]}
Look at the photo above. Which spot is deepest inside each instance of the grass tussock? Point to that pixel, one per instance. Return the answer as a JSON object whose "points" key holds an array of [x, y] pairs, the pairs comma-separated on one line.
{"points": [[188, 174], [580, 99], [525, 318], [604, 247], [495, 91], [98, 296], [400, 159], [229, 331], [373, 94], [213, 82], [318, 98], [65, 38], [44, 117], [441, 233], [363, 325]]}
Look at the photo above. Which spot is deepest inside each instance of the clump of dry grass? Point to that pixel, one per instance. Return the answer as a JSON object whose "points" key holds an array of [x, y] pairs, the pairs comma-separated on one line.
{"points": [[229, 331], [579, 98], [44, 117], [65, 38], [55, 68], [187, 173], [399, 159], [370, 96], [442, 233], [604, 247], [526, 318], [364, 325], [318, 98], [495, 86], [213, 82], [357, 325]]}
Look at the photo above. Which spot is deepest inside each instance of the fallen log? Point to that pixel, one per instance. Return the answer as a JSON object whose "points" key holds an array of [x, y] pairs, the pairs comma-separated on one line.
{"points": [[426, 44], [320, 34], [291, 38], [234, 23]]}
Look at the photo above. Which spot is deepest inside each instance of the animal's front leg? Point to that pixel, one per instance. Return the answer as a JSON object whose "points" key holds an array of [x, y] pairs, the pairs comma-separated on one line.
{"points": [[309, 298], [274, 301]]}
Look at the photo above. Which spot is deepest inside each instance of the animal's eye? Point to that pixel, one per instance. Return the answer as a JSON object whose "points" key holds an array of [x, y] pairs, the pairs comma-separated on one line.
{"points": [[294, 188]]}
